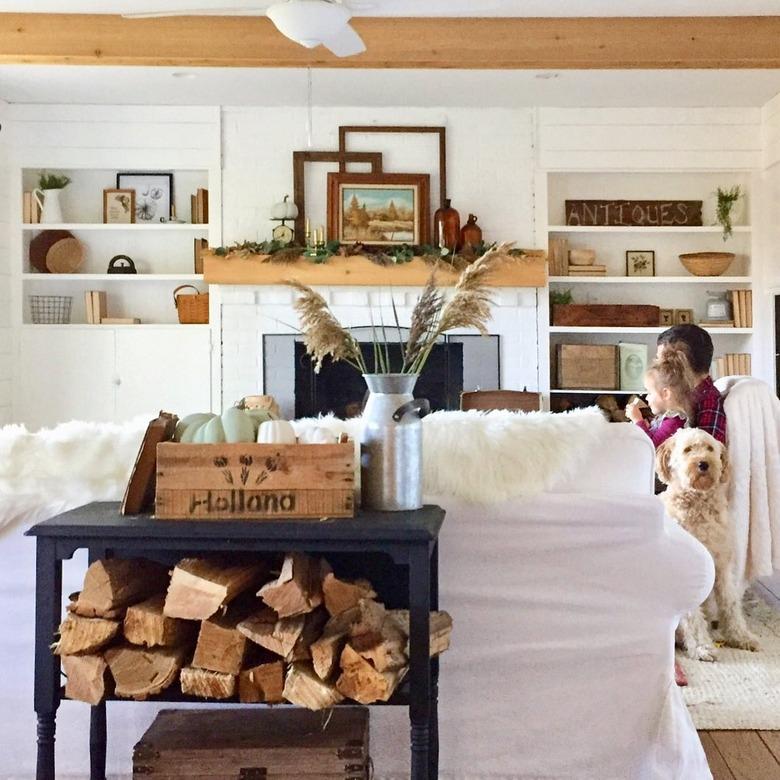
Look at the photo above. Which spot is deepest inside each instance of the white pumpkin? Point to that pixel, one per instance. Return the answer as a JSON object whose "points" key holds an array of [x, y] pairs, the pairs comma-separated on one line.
{"points": [[276, 432], [286, 209], [316, 436]]}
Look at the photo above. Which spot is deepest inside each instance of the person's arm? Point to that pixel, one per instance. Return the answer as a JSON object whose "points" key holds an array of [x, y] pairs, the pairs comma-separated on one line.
{"points": [[711, 417], [665, 430]]}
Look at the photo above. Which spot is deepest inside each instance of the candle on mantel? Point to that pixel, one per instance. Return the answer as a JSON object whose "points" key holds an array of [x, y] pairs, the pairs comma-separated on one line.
{"points": [[307, 233]]}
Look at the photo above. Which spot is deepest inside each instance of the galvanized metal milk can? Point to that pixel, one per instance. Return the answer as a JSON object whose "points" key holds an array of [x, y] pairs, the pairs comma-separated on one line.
{"points": [[391, 443]]}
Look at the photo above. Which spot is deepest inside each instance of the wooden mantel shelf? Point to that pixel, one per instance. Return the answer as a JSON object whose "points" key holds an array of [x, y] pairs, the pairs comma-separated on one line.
{"points": [[527, 271]]}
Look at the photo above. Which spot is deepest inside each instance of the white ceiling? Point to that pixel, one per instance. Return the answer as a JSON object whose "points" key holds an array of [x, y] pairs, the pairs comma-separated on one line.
{"points": [[428, 7], [337, 87]]}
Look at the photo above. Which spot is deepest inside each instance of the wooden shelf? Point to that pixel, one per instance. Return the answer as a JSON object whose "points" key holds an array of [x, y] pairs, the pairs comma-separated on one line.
{"points": [[528, 271], [641, 229], [152, 226], [596, 392], [140, 326], [112, 277], [650, 280], [716, 331]]}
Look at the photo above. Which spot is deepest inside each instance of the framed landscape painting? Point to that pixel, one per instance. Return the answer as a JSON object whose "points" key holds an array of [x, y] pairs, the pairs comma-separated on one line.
{"points": [[379, 209]]}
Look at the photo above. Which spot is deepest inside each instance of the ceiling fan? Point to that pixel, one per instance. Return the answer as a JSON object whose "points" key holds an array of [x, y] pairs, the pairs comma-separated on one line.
{"points": [[309, 23]]}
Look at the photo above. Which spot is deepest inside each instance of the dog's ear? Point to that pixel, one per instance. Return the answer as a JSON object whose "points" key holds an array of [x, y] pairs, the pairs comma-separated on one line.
{"points": [[662, 462], [725, 465]]}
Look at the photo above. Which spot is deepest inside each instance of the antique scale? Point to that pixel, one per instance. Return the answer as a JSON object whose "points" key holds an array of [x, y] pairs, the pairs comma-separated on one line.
{"points": [[281, 212]]}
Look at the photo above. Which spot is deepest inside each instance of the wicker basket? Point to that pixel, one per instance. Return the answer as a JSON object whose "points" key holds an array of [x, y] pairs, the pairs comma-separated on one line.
{"points": [[192, 309], [50, 309], [707, 263]]}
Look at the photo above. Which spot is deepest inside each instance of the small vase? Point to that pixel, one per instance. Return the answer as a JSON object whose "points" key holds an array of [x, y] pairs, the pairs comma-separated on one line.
{"points": [[470, 233], [49, 203], [446, 227], [391, 443]]}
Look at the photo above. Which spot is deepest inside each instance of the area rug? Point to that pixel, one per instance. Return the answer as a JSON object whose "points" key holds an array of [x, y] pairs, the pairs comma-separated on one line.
{"points": [[741, 690]]}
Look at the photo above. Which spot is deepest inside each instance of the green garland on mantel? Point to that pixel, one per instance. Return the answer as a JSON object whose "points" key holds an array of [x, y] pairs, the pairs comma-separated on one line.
{"points": [[277, 252]]}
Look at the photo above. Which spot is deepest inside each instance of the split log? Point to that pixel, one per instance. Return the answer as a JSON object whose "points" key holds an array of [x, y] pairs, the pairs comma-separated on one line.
{"points": [[199, 587], [359, 680], [207, 684], [325, 654], [145, 624], [266, 629], [86, 677], [112, 584], [298, 589], [340, 595], [304, 688], [108, 614], [221, 646], [313, 624], [139, 672], [84, 635], [263, 683], [387, 653], [440, 626]]}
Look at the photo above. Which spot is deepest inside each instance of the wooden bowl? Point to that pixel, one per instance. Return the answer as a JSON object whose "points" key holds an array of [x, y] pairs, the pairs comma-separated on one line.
{"points": [[707, 263], [582, 257]]}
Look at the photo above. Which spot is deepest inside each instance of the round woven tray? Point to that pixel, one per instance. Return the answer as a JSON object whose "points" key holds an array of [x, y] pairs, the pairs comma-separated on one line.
{"points": [[66, 256], [707, 263]]}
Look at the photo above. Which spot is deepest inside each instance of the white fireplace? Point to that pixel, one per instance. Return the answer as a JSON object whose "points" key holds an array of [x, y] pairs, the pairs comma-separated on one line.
{"points": [[245, 316]]}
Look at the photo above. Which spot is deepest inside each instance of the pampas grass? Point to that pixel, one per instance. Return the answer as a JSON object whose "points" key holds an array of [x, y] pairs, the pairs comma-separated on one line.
{"points": [[469, 307]]}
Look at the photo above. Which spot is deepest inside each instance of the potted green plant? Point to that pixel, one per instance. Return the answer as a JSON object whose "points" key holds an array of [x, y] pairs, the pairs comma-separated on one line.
{"points": [[47, 194], [727, 200]]}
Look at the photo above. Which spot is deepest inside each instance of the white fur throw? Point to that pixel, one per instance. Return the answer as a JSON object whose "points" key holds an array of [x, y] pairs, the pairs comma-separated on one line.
{"points": [[472, 456]]}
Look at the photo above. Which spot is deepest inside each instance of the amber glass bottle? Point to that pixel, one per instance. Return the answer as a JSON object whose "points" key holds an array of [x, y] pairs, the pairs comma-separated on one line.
{"points": [[471, 233], [446, 226]]}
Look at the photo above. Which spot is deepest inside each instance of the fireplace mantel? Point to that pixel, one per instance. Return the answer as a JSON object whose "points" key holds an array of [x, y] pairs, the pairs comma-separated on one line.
{"points": [[529, 270]]}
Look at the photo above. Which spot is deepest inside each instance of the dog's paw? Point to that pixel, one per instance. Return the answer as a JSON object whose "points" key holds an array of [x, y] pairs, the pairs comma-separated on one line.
{"points": [[703, 653], [744, 642]]}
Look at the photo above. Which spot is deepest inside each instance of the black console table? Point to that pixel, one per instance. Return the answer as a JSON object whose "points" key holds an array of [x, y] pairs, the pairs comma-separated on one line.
{"points": [[408, 539]]}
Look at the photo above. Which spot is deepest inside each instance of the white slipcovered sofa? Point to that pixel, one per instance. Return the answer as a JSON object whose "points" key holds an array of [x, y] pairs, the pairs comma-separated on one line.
{"points": [[561, 663]]}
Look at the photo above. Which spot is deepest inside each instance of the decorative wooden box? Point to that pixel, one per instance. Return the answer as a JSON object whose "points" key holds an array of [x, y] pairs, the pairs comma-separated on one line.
{"points": [[254, 481], [255, 744], [587, 366], [606, 315]]}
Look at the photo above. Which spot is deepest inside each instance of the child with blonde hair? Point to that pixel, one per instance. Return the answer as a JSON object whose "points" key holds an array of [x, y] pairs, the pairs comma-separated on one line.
{"points": [[670, 384]]}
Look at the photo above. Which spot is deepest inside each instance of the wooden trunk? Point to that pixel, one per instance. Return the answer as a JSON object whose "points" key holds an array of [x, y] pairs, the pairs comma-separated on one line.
{"points": [[586, 366], [606, 315], [278, 744], [254, 481]]}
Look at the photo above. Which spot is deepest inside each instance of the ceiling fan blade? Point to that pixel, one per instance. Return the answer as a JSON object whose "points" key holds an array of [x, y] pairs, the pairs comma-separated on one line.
{"points": [[256, 10], [345, 43]]}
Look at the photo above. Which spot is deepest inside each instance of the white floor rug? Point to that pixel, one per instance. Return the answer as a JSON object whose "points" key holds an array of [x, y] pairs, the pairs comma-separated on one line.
{"points": [[741, 690]]}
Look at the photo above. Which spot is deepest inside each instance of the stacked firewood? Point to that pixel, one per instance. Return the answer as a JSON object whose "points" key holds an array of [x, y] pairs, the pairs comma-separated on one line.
{"points": [[254, 630]]}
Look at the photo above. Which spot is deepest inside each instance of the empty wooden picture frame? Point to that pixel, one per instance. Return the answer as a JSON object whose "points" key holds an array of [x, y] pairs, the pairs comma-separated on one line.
{"points": [[374, 159], [345, 130]]}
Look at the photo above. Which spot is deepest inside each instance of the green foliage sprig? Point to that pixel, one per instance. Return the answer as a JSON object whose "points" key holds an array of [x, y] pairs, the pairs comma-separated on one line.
{"points": [[726, 200], [52, 181], [559, 297]]}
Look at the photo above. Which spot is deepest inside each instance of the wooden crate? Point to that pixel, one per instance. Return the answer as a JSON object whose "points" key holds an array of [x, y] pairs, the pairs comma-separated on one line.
{"points": [[606, 315], [587, 366], [254, 481], [255, 744]]}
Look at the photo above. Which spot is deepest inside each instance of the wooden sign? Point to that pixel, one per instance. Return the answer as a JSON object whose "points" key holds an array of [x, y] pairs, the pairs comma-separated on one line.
{"points": [[634, 213], [254, 481]]}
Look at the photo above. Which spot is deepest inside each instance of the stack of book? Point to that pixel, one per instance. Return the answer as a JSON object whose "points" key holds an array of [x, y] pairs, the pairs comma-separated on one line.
{"points": [[587, 270], [742, 308], [201, 245], [95, 304], [734, 364], [31, 211], [558, 256], [199, 204]]}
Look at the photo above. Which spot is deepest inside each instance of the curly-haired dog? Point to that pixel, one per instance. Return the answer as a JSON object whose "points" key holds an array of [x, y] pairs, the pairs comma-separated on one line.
{"points": [[695, 467]]}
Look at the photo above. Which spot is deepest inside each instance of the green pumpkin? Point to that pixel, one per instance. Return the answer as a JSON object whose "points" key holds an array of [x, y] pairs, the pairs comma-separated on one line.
{"points": [[235, 425]]}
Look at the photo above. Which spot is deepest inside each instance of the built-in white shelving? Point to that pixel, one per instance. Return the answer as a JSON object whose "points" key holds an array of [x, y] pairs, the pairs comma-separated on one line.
{"points": [[718, 331], [595, 392], [135, 227], [745, 280], [123, 278], [112, 326], [644, 229]]}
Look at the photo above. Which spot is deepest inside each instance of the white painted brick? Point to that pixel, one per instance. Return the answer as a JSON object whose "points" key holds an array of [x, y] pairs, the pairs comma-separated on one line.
{"points": [[382, 298], [349, 298], [236, 295], [275, 296]]}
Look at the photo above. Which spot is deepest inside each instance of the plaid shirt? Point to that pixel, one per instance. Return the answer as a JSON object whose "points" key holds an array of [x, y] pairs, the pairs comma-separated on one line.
{"points": [[708, 412]]}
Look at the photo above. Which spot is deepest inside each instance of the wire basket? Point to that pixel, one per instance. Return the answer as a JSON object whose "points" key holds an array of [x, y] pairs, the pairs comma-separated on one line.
{"points": [[50, 309]]}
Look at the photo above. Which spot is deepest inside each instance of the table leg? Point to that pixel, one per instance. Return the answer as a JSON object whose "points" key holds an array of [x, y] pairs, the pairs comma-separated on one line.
{"points": [[48, 595], [97, 742], [419, 662], [433, 747]]}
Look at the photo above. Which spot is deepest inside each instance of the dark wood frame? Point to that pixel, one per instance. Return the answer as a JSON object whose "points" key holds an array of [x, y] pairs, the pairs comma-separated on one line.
{"points": [[150, 173], [644, 251], [374, 159], [345, 130], [110, 191], [668, 313], [688, 316], [420, 180]]}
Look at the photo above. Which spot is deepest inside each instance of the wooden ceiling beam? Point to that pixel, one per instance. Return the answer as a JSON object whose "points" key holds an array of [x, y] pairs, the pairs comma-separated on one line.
{"points": [[469, 43]]}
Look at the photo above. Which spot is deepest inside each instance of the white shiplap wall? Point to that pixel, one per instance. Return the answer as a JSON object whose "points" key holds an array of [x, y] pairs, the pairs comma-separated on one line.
{"points": [[6, 333]]}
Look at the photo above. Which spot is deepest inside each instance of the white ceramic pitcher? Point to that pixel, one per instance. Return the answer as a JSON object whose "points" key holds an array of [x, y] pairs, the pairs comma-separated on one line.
{"points": [[49, 203]]}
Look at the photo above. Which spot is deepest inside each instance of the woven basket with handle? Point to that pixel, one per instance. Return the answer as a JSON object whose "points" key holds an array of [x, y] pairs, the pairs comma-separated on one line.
{"points": [[192, 309]]}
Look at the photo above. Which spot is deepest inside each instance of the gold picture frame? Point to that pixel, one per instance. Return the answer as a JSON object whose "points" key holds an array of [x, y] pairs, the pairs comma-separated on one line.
{"points": [[118, 207]]}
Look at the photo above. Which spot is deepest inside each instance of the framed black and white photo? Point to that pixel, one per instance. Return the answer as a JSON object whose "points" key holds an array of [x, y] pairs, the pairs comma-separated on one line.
{"points": [[683, 316], [153, 195], [640, 262]]}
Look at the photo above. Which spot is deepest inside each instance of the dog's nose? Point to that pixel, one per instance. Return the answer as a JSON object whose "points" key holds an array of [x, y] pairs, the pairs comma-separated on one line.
{"points": [[703, 466]]}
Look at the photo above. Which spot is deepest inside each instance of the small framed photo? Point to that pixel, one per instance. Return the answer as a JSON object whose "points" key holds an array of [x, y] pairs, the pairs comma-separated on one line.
{"points": [[118, 207], [379, 209], [153, 195], [640, 262], [683, 316], [666, 318]]}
